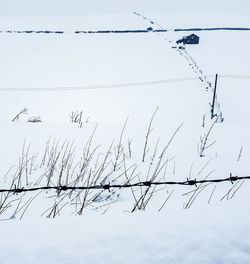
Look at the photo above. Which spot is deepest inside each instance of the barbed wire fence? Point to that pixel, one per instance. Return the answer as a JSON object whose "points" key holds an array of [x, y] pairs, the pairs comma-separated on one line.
{"points": [[108, 187], [61, 182]]}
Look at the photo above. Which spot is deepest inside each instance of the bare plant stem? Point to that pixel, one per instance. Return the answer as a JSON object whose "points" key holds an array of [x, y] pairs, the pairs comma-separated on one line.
{"points": [[149, 130]]}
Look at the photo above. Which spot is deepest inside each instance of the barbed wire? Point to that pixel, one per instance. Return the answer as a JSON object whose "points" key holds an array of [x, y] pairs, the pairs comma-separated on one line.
{"points": [[149, 184]]}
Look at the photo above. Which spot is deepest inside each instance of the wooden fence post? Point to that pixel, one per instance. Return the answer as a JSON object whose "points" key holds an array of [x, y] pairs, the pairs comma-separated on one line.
{"points": [[214, 97]]}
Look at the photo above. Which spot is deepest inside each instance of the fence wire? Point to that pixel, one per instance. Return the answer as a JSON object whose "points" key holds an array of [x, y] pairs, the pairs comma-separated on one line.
{"points": [[149, 184], [116, 85]]}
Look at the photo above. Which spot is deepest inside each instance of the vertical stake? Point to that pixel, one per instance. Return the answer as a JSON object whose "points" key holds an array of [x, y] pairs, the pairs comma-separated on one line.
{"points": [[214, 96]]}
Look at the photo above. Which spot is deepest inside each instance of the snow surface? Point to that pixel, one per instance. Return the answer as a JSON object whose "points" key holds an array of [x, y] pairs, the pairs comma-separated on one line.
{"points": [[205, 233]]}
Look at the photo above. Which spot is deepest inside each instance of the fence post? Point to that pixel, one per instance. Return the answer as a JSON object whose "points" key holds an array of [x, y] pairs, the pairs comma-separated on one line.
{"points": [[214, 97]]}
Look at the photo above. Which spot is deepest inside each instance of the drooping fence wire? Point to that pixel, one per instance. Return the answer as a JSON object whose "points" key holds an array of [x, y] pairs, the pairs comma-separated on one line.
{"points": [[116, 85], [98, 86]]}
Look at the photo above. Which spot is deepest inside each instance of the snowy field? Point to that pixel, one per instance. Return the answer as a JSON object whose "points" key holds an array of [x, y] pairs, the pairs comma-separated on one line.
{"points": [[117, 79]]}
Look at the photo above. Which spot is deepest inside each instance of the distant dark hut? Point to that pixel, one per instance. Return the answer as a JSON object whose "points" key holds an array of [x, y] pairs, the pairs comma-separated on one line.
{"points": [[191, 39]]}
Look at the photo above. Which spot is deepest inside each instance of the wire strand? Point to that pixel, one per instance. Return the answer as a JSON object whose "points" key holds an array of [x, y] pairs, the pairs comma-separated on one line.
{"points": [[115, 85], [149, 184], [96, 87]]}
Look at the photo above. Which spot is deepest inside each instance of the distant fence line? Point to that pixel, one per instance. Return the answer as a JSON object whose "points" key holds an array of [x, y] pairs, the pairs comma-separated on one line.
{"points": [[81, 31], [214, 29], [123, 31]]}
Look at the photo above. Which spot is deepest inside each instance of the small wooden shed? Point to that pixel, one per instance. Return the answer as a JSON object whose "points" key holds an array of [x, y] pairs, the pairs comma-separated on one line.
{"points": [[191, 39]]}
